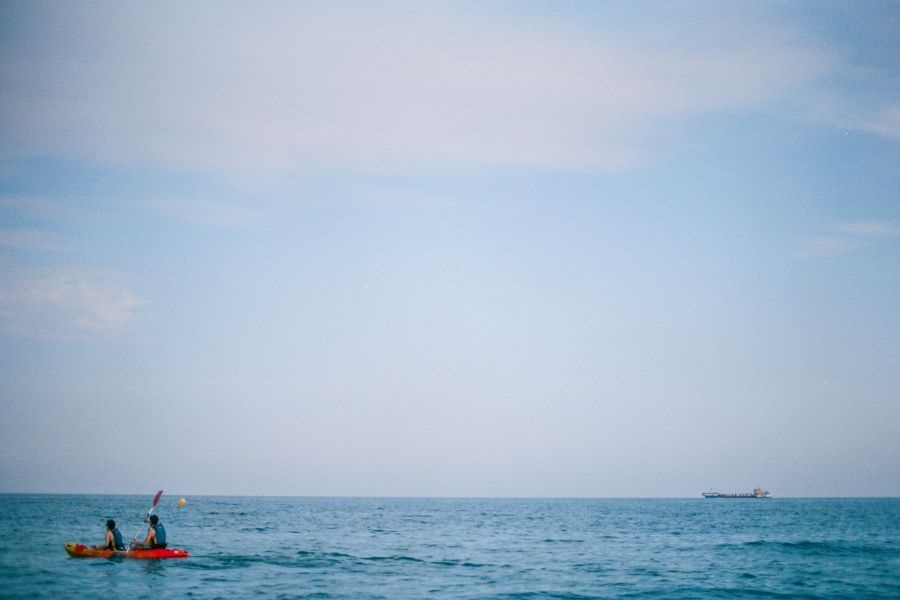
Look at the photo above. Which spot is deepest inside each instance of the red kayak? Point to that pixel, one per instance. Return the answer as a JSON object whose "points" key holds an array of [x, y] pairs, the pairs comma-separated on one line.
{"points": [[82, 551]]}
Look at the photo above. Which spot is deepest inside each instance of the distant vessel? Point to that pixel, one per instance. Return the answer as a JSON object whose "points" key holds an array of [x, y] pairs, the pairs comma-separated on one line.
{"points": [[757, 492]]}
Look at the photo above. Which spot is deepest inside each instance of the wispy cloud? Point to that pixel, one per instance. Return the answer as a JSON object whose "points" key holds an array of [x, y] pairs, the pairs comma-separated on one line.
{"points": [[851, 236], [29, 239], [35, 207], [851, 114], [378, 88], [66, 302], [825, 247], [884, 122], [868, 228], [213, 214]]}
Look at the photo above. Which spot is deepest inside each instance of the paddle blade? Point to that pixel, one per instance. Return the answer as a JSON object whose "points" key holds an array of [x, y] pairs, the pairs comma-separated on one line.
{"points": [[156, 499]]}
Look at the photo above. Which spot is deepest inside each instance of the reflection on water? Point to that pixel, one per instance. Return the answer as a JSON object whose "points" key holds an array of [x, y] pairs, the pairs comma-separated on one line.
{"points": [[154, 567]]}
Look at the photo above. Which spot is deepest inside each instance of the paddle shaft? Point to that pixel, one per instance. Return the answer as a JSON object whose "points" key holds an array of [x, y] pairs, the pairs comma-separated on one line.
{"points": [[149, 512]]}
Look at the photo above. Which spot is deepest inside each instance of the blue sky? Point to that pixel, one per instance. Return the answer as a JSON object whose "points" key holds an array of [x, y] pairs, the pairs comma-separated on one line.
{"points": [[467, 249]]}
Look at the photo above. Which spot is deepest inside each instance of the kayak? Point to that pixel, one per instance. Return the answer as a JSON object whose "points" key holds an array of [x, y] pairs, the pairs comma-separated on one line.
{"points": [[82, 551]]}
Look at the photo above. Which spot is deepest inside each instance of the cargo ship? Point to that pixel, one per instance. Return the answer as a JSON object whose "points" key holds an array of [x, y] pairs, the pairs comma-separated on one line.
{"points": [[757, 492]]}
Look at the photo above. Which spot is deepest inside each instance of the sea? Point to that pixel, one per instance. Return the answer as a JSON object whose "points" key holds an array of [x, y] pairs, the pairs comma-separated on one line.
{"points": [[458, 548]]}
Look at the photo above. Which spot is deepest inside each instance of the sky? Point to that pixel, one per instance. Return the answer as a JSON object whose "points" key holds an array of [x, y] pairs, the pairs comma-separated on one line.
{"points": [[541, 249]]}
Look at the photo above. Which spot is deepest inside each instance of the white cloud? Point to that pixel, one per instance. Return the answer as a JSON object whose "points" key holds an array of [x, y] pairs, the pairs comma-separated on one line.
{"points": [[376, 87], [66, 302]]}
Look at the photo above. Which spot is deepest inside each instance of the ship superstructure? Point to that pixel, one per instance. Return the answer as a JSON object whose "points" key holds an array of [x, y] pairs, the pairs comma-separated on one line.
{"points": [[757, 492]]}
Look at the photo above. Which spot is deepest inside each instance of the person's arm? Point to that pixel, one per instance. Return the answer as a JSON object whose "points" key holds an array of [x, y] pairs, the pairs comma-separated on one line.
{"points": [[109, 539], [151, 533]]}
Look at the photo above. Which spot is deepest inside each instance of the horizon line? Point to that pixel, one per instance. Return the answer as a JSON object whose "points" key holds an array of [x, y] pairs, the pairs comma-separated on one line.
{"points": [[433, 497]]}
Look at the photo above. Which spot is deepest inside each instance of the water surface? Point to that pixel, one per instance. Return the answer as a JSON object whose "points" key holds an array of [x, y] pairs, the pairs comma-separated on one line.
{"points": [[460, 548]]}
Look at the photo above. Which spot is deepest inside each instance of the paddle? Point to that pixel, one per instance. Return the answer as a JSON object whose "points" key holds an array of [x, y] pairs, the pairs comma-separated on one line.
{"points": [[149, 512]]}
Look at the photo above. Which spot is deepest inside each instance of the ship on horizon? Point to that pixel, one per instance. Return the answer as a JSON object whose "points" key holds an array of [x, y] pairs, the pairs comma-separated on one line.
{"points": [[757, 492]]}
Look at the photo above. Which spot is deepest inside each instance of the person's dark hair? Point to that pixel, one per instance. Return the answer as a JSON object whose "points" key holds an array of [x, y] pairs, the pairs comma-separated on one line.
{"points": [[110, 524], [154, 519]]}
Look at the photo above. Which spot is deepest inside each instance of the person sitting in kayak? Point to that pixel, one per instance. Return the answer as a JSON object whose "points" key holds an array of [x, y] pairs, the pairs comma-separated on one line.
{"points": [[156, 535], [114, 539]]}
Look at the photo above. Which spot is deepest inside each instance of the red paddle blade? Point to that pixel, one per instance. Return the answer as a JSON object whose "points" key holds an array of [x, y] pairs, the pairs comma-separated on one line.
{"points": [[156, 499]]}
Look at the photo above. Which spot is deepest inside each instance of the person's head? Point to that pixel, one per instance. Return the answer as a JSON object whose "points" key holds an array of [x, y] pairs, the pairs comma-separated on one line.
{"points": [[154, 519], [110, 524]]}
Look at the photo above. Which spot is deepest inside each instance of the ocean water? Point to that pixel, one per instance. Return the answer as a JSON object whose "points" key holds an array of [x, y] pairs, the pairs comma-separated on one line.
{"points": [[460, 548]]}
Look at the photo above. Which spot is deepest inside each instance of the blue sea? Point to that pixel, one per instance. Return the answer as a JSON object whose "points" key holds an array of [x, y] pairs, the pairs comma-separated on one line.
{"points": [[459, 548]]}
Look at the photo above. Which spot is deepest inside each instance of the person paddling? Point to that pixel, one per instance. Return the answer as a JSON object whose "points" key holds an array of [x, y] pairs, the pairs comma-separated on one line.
{"points": [[113, 539], [156, 535]]}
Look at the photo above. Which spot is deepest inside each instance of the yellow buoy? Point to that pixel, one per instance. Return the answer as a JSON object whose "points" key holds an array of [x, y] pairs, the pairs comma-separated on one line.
{"points": [[181, 502]]}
